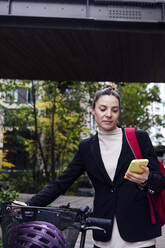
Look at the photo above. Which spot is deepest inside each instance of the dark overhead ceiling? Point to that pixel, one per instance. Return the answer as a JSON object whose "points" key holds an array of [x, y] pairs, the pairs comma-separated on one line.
{"points": [[73, 49]]}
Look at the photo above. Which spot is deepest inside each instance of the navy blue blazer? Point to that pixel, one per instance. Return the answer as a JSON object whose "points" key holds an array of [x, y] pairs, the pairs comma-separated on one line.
{"points": [[120, 197]]}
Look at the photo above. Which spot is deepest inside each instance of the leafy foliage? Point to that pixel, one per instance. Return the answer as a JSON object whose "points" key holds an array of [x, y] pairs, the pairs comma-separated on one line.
{"points": [[25, 183], [8, 196], [60, 122], [136, 100], [4, 163]]}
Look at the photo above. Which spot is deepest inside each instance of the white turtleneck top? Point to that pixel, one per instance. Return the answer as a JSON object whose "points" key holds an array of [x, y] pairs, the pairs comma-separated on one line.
{"points": [[110, 143]]}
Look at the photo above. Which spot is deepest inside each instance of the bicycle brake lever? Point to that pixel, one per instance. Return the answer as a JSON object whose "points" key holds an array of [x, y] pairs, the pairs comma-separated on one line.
{"points": [[93, 228]]}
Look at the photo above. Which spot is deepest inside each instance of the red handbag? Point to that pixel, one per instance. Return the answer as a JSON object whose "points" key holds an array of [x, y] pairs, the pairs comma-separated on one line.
{"points": [[158, 199]]}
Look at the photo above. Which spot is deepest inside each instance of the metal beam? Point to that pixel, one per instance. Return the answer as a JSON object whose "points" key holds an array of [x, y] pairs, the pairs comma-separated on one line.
{"points": [[100, 10]]}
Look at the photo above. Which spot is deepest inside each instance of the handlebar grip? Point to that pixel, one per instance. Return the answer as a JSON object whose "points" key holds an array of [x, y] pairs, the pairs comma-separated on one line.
{"points": [[100, 222]]}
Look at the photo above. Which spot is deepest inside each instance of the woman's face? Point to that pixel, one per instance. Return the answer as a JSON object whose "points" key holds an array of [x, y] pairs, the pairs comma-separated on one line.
{"points": [[106, 112]]}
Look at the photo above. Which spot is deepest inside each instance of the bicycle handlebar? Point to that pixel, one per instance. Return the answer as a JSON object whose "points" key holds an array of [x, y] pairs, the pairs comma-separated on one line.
{"points": [[64, 217], [81, 215], [91, 221]]}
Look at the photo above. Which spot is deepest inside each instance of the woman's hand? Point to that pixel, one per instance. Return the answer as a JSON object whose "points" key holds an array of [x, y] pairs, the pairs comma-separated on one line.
{"points": [[18, 203], [15, 207], [138, 178]]}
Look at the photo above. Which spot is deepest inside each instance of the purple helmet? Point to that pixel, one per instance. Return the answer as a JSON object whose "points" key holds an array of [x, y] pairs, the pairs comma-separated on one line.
{"points": [[38, 234]]}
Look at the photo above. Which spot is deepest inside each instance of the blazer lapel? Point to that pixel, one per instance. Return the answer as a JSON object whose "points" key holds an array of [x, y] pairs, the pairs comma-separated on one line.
{"points": [[95, 149], [124, 157]]}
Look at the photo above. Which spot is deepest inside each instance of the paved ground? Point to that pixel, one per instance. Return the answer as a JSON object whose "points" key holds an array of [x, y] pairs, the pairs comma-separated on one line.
{"points": [[76, 202]]}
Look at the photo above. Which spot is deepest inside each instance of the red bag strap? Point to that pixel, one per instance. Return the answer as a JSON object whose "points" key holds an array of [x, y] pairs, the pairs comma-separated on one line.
{"points": [[134, 145], [132, 141]]}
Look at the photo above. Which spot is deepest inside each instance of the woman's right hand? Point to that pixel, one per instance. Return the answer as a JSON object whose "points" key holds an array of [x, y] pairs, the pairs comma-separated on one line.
{"points": [[15, 207], [18, 203]]}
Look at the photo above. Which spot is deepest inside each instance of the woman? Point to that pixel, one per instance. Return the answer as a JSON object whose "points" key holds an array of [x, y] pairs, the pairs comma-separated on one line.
{"points": [[105, 157]]}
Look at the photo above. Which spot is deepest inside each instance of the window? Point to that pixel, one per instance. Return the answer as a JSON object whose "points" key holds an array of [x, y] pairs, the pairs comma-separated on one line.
{"points": [[92, 123], [12, 96], [15, 95], [28, 96], [20, 95]]}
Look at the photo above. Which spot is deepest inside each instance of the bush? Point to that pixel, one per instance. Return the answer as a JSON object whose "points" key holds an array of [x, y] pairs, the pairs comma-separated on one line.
{"points": [[81, 182], [24, 183], [8, 196]]}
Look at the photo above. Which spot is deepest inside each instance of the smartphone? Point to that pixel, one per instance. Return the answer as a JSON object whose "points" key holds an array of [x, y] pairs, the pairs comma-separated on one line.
{"points": [[135, 165]]}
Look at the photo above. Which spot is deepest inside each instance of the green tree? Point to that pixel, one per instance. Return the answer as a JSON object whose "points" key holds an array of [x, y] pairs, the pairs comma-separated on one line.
{"points": [[136, 99], [14, 119], [51, 126], [60, 121]]}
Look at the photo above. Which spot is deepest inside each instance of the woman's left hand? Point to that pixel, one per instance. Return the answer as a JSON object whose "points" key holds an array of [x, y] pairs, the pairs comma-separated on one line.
{"points": [[138, 178]]}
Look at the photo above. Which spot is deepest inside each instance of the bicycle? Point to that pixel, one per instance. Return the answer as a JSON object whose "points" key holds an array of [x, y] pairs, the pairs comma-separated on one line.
{"points": [[71, 221]]}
